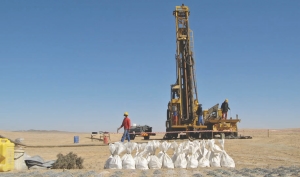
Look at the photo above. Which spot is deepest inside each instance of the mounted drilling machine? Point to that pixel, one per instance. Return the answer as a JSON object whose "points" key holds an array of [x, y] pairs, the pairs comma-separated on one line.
{"points": [[181, 112]]}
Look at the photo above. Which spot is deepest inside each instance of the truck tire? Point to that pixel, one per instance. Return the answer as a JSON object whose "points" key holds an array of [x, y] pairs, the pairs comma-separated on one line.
{"points": [[132, 137]]}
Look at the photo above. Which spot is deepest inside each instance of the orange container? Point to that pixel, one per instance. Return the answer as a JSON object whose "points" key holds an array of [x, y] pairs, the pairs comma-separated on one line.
{"points": [[105, 140], [7, 161]]}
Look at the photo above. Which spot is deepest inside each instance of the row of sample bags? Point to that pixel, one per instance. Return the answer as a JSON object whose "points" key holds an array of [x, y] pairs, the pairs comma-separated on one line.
{"points": [[189, 154]]}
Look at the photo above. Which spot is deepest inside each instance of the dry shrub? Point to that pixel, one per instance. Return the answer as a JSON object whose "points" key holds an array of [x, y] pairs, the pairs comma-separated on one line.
{"points": [[69, 161]]}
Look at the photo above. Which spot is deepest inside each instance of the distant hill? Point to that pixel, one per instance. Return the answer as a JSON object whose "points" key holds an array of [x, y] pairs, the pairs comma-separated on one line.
{"points": [[32, 130], [46, 131]]}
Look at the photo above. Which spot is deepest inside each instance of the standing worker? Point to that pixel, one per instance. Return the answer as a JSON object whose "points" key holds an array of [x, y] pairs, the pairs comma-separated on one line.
{"points": [[126, 125], [199, 113], [225, 108]]}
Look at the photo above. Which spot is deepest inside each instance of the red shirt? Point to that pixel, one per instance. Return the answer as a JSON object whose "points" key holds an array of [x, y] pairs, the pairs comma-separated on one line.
{"points": [[126, 123]]}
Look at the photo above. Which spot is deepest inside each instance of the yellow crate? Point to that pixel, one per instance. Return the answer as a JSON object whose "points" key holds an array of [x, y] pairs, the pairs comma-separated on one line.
{"points": [[7, 162]]}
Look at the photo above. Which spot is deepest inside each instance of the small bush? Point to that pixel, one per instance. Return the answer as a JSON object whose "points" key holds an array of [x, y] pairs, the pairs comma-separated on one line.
{"points": [[69, 161]]}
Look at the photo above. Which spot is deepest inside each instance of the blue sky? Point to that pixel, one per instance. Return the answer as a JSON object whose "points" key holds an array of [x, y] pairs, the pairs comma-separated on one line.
{"points": [[79, 65]]}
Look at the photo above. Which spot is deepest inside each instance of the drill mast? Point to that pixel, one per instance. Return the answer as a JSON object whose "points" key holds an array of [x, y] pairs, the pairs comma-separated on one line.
{"points": [[185, 87], [182, 107]]}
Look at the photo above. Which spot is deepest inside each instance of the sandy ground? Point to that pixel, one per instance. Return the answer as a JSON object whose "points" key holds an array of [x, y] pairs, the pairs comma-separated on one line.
{"points": [[281, 148]]}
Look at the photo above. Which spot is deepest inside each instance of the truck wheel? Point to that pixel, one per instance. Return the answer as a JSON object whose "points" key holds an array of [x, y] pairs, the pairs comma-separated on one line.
{"points": [[166, 137], [196, 135], [146, 137], [132, 137], [206, 135], [235, 134], [174, 135]]}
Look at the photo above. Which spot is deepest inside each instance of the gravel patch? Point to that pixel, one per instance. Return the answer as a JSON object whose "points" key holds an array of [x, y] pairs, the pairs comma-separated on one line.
{"points": [[197, 175], [291, 171]]}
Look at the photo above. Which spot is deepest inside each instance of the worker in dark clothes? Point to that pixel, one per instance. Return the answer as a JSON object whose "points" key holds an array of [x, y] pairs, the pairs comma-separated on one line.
{"points": [[126, 124], [199, 113], [225, 108]]}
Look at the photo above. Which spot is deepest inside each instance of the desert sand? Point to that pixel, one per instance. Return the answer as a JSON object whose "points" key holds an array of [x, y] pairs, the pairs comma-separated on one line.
{"points": [[265, 150]]}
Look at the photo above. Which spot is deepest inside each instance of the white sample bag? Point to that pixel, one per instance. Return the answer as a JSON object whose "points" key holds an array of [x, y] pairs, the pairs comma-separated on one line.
{"points": [[174, 146], [106, 165], [165, 158], [204, 161], [154, 161], [181, 161], [112, 149], [140, 148], [127, 160], [141, 162], [202, 146], [214, 159], [193, 155], [137, 151], [114, 161], [226, 160]]}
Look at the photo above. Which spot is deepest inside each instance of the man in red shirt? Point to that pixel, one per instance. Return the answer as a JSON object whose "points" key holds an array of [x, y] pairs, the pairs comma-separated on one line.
{"points": [[126, 125]]}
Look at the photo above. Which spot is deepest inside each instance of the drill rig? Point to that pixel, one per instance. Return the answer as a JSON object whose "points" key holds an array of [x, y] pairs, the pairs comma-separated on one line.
{"points": [[182, 107]]}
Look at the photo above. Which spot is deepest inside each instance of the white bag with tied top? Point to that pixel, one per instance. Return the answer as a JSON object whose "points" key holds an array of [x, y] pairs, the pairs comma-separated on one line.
{"points": [[202, 146], [204, 160], [174, 146], [214, 159], [193, 155], [226, 160], [127, 159], [114, 161], [141, 162], [154, 161], [165, 158], [181, 161], [140, 148], [112, 149]]}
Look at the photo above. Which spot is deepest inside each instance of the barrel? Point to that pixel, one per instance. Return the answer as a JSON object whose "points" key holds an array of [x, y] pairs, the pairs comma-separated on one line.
{"points": [[76, 139]]}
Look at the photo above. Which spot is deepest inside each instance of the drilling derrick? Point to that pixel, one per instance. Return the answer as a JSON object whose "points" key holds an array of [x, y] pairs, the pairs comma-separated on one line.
{"points": [[181, 113], [182, 107], [184, 64]]}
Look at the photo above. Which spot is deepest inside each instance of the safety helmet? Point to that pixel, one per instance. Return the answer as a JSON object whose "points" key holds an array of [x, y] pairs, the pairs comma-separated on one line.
{"points": [[226, 100], [125, 113]]}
